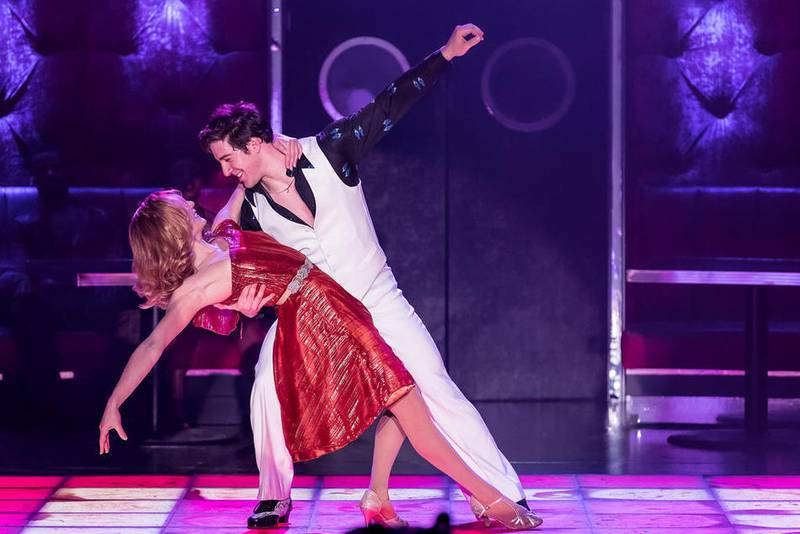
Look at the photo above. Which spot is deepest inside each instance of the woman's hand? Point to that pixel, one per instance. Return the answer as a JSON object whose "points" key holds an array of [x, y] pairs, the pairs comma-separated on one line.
{"points": [[289, 147], [458, 45], [111, 421]]}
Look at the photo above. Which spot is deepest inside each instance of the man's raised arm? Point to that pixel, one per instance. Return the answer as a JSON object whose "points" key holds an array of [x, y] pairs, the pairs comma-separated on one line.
{"points": [[346, 141]]}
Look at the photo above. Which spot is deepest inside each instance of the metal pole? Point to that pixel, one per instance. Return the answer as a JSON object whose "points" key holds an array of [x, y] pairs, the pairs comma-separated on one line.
{"points": [[155, 376], [616, 241], [755, 397], [276, 66]]}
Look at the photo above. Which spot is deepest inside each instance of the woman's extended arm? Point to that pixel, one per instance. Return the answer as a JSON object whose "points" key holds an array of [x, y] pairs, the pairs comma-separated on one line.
{"points": [[179, 313]]}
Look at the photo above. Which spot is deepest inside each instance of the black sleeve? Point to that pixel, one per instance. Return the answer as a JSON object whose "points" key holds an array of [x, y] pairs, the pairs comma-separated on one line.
{"points": [[346, 141]]}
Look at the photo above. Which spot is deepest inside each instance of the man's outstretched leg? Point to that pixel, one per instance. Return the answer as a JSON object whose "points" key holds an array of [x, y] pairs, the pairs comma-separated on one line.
{"points": [[275, 467]]}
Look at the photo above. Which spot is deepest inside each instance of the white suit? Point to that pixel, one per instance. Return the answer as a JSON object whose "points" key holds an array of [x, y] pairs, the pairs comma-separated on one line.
{"points": [[343, 244]]}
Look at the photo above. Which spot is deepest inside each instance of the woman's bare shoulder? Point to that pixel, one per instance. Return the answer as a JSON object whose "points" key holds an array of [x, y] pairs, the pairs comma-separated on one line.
{"points": [[211, 283]]}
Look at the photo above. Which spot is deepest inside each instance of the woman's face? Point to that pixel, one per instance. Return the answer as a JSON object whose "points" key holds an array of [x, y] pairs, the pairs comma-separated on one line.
{"points": [[198, 223]]}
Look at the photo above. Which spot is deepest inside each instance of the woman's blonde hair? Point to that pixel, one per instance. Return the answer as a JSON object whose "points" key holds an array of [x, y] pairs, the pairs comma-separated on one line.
{"points": [[161, 240]]}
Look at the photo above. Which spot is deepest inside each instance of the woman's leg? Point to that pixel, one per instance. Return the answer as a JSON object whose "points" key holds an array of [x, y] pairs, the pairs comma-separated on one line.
{"points": [[416, 422], [389, 438]]}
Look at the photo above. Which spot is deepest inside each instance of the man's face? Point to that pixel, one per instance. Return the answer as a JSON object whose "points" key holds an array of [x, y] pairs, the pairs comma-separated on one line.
{"points": [[238, 164]]}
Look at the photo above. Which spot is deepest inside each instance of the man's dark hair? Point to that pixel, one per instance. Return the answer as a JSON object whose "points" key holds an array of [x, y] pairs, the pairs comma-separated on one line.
{"points": [[237, 123]]}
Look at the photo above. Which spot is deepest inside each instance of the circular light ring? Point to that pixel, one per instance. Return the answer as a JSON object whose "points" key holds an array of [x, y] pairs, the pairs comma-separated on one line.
{"points": [[324, 96], [553, 117]]}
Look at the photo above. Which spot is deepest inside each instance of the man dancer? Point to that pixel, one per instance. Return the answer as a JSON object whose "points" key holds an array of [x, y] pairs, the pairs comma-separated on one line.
{"points": [[319, 209]]}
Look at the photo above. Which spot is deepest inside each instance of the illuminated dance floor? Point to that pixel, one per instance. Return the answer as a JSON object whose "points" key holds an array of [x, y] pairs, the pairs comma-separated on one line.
{"points": [[569, 503]]}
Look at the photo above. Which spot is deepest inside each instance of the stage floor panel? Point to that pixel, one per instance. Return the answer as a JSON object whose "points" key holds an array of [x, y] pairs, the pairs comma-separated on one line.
{"points": [[602, 504]]}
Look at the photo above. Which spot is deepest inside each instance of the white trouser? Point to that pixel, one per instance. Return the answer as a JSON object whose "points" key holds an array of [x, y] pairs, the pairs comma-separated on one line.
{"points": [[454, 416]]}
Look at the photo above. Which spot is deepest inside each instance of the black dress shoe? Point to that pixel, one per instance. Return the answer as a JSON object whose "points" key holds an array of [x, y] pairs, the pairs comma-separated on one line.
{"points": [[268, 514], [524, 504]]}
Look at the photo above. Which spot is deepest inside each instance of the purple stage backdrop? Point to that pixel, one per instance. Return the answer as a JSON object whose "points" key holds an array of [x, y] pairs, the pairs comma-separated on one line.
{"points": [[712, 173], [120, 87], [491, 197]]}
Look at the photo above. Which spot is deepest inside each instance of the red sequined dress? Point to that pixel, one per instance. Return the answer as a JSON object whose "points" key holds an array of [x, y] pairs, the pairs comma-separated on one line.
{"points": [[334, 374]]}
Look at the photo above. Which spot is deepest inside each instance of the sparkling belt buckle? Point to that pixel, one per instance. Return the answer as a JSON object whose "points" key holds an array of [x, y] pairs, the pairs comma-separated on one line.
{"points": [[299, 277]]}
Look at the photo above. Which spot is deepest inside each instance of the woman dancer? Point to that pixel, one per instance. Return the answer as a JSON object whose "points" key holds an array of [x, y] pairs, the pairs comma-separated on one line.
{"points": [[334, 372]]}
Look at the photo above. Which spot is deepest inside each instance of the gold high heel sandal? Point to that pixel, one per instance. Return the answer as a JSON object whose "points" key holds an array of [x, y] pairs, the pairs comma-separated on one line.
{"points": [[371, 506], [523, 518]]}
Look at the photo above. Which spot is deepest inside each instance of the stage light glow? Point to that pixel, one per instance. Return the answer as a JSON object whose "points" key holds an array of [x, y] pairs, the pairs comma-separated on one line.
{"points": [[528, 84], [69, 494], [645, 522], [98, 520], [547, 494], [783, 521], [16, 494], [600, 506], [399, 494], [19, 507], [245, 494], [94, 530], [127, 481], [345, 85], [641, 481], [30, 482], [771, 506], [650, 494], [765, 494], [602, 503], [151, 506]]}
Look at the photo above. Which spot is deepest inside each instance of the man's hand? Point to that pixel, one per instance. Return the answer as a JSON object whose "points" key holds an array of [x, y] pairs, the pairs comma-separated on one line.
{"points": [[462, 39], [111, 421], [251, 300], [289, 147]]}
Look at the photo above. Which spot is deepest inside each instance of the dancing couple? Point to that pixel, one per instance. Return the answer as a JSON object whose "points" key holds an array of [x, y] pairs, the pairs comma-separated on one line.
{"points": [[347, 349]]}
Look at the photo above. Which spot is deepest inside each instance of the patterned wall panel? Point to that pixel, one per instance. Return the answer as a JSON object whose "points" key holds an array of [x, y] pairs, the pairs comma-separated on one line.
{"points": [[712, 156], [712, 127], [120, 87]]}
